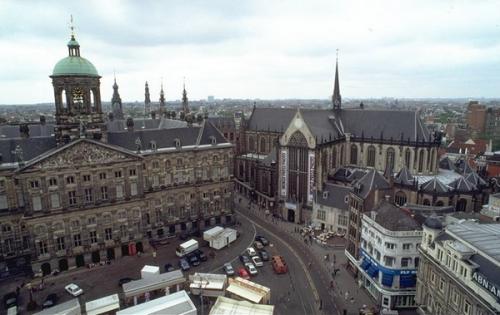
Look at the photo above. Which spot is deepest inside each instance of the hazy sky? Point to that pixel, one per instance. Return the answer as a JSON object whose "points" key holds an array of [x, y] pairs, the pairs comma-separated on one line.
{"points": [[256, 49]]}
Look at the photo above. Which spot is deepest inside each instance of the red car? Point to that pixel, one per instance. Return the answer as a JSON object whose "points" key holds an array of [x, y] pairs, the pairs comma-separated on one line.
{"points": [[242, 272]]}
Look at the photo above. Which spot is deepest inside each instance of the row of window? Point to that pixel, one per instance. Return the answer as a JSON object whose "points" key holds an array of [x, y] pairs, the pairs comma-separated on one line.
{"points": [[86, 178]]}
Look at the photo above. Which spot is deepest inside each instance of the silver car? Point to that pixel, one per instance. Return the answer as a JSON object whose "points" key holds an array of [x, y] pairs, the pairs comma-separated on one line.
{"points": [[228, 268]]}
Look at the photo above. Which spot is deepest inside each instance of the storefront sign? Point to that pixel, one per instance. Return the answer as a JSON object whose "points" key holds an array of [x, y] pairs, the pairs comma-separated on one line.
{"points": [[311, 177], [491, 287], [284, 172]]}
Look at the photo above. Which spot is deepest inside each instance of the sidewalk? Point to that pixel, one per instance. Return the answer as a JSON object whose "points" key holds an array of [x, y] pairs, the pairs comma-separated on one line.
{"points": [[344, 283]]}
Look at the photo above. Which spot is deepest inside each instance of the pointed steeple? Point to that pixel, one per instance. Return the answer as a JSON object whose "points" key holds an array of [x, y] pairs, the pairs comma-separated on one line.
{"points": [[336, 98], [162, 100], [185, 104], [147, 100], [116, 102]]}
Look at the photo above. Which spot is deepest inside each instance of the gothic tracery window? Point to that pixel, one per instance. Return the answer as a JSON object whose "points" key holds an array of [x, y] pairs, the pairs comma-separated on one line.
{"points": [[354, 154], [389, 162], [370, 161]]}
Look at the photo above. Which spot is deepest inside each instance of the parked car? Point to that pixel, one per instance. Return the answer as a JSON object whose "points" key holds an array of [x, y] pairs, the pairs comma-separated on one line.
{"points": [[257, 261], [183, 264], [264, 255], [73, 289], [10, 300], [244, 259], [228, 268], [262, 239], [251, 252], [251, 269], [122, 281], [243, 273], [201, 255], [193, 260], [258, 245], [169, 267], [50, 300]]}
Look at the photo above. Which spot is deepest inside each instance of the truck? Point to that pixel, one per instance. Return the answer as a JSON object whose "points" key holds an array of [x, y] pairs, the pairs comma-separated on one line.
{"points": [[186, 248], [219, 237]]}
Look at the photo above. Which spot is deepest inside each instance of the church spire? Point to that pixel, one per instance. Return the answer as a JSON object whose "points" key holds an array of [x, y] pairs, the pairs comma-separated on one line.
{"points": [[147, 100], [185, 105], [336, 98], [116, 102], [162, 100]]}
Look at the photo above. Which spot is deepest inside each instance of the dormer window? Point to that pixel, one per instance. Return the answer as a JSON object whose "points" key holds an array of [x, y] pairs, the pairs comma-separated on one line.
{"points": [[213, 140], [325, 194], [177, 143], [152, 145]]}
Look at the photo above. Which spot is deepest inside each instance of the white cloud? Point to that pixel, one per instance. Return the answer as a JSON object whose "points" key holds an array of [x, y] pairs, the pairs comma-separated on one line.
{"points": [[257, 49]]}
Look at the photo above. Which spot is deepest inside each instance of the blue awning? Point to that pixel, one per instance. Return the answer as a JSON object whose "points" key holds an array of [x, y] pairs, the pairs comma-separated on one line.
{"points": [[365, 264], [372, 271], [407, 281], [387, 279]]}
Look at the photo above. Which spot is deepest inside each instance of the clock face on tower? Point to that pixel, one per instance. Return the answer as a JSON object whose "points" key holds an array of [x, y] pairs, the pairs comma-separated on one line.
{"points": [[77, 96]]}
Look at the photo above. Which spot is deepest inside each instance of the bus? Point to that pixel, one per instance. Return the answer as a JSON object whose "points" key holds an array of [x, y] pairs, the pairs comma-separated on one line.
{"points": [[186, 248]]}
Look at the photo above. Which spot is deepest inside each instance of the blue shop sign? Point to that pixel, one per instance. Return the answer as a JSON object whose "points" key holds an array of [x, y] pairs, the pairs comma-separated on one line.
{"points": [[388, 270]]}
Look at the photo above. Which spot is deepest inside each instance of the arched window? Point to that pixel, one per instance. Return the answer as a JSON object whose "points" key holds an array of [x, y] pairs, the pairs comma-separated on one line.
{"points": [[298, 140], [334, 158], [262, 145], [64, 103], [342, 155], [461, 204], [426, 202], [370, 160], [92, 101], [432, 160], [354, 154], [389, 159], [251, 144], [439, 203], [400, 198], [407, 158], [421, 161]]}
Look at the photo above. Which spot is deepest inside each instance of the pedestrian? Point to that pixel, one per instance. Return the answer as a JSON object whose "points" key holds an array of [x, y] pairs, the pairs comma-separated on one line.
{"points": [[309, 264], [320, 304], [346, 295]]}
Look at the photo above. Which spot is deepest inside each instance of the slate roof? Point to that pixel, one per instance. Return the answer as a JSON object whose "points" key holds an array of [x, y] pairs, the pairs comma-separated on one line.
{"points": [[356, 174], [119, 125], [404, 177], [462, 185], [341, 174], [394, 218], [326, 123], [434, 186], [222, 122], [476, 179], [273, 119], [371, 181], [490, 270], [335, 196], [447, 164], [165, 138], [36, 130], [31, 147]]}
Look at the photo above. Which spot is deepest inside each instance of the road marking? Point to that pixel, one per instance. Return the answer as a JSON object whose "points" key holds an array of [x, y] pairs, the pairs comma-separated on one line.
{"points": [[309, 279]]}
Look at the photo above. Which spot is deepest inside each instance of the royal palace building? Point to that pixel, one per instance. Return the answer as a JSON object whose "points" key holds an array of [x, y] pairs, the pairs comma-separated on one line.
{"points": [[91, 188]]}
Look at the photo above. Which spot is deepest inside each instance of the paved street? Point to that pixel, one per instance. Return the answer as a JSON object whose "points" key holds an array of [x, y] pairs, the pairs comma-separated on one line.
{"points": [[291, 293], [334, 302]]}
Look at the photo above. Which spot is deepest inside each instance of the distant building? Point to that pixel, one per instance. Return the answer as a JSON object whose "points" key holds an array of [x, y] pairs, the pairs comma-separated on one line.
{"points": [[476, 117], [210, 99], [389, 241], [459, 268]]}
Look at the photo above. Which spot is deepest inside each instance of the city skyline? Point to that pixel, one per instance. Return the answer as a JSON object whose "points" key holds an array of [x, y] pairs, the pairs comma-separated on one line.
{"points": [[256, 49]]}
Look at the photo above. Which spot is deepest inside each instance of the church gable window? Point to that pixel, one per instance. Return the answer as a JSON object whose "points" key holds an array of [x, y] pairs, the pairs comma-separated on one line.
{"points": [[297, 140], [371, 156], [354, 154]]}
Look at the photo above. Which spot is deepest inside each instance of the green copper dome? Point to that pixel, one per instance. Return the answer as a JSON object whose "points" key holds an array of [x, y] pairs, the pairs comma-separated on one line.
{"points": [[74, 65]]}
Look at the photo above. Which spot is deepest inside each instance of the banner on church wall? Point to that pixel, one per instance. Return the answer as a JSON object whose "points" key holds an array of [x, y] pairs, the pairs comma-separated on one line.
{"points": [[284, 172], [311, 176]]}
